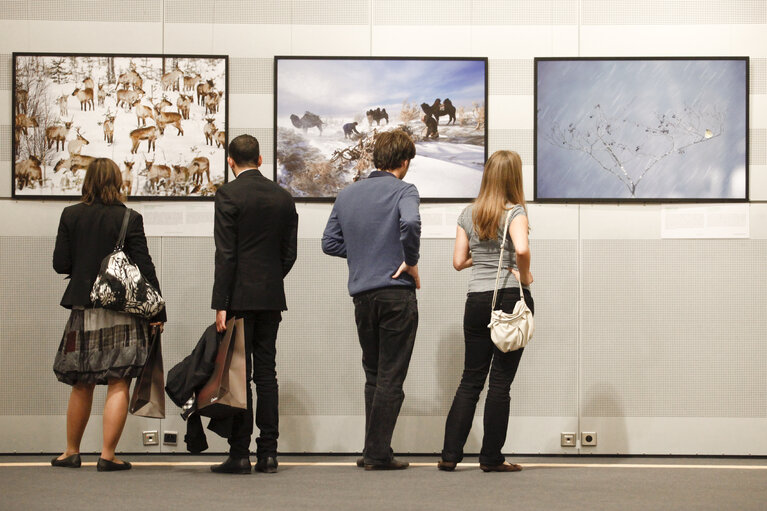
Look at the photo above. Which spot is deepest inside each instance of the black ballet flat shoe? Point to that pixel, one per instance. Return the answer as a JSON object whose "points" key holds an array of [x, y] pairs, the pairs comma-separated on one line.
{"points": [[232, 466], [72, 461], [110, 466], [447, 466], [267, 465]]}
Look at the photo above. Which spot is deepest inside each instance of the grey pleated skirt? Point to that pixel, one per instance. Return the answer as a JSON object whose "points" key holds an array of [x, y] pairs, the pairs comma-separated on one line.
{"points": [[99, 345]]}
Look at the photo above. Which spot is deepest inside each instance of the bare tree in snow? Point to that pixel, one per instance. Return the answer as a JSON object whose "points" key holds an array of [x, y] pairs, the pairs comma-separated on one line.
{"points": [[629, 149]]}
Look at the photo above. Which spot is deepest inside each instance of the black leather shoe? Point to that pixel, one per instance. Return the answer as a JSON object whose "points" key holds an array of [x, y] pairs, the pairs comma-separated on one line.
{"points": [[267, 465], [72, 461], [232, 466], [360, 462], [394, 464], [110, 466], [447, 466]]}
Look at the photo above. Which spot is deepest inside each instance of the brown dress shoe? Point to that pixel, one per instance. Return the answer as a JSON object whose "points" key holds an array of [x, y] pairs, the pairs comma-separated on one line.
{"points": [[394, 464], [503, 467], [447, 466], [360, 462]]}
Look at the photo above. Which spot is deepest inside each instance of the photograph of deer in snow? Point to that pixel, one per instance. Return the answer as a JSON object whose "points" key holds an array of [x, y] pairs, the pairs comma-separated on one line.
{"points": [[161, 118], [329, 110], [660, 129]]}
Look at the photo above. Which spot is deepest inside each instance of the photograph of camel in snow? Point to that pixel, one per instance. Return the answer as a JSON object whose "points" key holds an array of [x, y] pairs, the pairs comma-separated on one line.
{"points": [[329, 111], [162, 119], [635, 129]]}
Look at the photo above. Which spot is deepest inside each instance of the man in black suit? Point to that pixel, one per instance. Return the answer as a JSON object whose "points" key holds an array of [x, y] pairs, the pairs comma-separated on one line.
{"points": [[255, 230]]}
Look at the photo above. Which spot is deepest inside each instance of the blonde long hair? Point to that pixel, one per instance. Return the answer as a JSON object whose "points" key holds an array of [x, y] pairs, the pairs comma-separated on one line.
{"points": [[501, 186]]}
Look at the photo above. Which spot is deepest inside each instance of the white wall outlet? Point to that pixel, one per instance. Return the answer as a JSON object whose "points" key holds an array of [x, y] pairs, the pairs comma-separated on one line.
{"points": [[151, 438]]}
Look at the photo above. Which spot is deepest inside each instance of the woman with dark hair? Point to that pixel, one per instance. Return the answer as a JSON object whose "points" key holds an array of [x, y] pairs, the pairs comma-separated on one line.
{"points": [[478, 239], [99, 346]]}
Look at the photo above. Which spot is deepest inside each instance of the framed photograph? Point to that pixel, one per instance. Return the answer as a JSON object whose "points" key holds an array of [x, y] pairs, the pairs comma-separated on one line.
{"points": [[650, 129], [162, 118], [329, 110]]}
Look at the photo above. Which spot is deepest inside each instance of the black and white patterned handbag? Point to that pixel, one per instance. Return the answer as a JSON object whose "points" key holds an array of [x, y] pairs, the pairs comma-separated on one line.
{"points": [[120, 286]]}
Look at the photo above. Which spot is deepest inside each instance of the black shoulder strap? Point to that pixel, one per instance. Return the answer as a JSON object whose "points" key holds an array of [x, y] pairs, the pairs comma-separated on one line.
{"points": [[123, 230]]}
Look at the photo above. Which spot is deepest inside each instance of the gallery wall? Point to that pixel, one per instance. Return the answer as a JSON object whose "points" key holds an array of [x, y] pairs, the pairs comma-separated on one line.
{"points": [[652, 341]]}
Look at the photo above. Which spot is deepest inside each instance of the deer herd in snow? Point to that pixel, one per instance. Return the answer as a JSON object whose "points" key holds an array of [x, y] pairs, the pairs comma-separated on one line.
{"points": [[154, 113]]}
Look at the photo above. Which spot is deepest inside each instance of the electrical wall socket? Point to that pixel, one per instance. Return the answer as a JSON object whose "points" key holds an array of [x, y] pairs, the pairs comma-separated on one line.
{"points": [[170, 438], [567, 439], [588, 438], [151, 438]]}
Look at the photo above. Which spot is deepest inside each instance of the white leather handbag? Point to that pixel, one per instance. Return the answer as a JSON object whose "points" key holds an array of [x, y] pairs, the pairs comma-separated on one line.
{"points": [[510, 331]]}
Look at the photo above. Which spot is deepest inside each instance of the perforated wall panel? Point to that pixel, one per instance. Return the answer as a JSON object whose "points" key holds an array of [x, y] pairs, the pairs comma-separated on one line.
{"points": [[6, 71], [265, 144], [319, 366], [6, 143], [671, 12], [331, 12], [15, 9], [31, 325], [478, 12], [280, 12], [757, 147], [520, 141], [251, 76], [525, 12], [94, 10], [674, 328], [186, 285], [757, 73], [421, 12], [511, 77]]}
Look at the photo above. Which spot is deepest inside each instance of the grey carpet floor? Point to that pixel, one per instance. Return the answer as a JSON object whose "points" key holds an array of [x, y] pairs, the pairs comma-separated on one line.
{"points": [[319, 483]]}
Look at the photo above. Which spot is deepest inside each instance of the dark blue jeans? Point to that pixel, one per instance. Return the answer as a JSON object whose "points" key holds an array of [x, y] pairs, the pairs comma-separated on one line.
{"points": [[482, 356], [387, 320], [260, 352]]}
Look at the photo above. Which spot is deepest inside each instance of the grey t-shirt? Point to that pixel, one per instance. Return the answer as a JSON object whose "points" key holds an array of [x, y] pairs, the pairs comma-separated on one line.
{"points": [[485, 253]]}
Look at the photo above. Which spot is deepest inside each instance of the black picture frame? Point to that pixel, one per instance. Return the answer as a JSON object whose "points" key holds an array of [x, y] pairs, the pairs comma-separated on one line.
{"points": [[354, 73], [595, 133], [186, 164]]}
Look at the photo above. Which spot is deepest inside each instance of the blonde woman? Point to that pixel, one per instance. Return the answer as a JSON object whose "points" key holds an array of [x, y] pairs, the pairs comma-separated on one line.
{"points": [[477, 246], [99, 346]]}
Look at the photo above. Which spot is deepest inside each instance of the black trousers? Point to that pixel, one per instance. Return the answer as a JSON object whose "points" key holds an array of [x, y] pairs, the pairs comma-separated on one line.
{"points": [[482, 356], [260, 350], [387, 320]]}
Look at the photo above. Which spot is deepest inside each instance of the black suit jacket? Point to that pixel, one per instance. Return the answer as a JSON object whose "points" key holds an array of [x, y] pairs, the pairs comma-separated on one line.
{"points": [[256, 230], [87, 234]]}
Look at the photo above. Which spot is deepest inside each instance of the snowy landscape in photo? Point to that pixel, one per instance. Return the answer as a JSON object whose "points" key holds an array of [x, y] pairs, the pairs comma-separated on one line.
{"points": [[161, 119], [641, 129], [329, 112]]}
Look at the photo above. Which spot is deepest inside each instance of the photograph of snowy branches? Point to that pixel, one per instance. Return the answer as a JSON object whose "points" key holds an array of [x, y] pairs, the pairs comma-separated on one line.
{"points": [[162, 119], [657, 129], [328, 112]]}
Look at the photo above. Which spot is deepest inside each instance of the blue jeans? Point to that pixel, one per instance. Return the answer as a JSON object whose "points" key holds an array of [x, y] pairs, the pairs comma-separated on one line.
{"points": [[482, 356], [387, 320]]}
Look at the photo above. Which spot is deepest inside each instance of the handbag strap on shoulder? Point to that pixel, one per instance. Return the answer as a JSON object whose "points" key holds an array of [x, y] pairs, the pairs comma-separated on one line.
{"points": [[123, 230], [500, 262]]}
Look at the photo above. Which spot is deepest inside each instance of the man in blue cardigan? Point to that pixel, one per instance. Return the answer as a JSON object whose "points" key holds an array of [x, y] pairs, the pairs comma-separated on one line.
{"points": [[376, 226]]}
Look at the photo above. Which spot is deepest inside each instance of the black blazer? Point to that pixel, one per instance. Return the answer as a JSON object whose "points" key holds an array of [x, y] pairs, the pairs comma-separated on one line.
{"points": [[87, 234], [256, 230]]}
